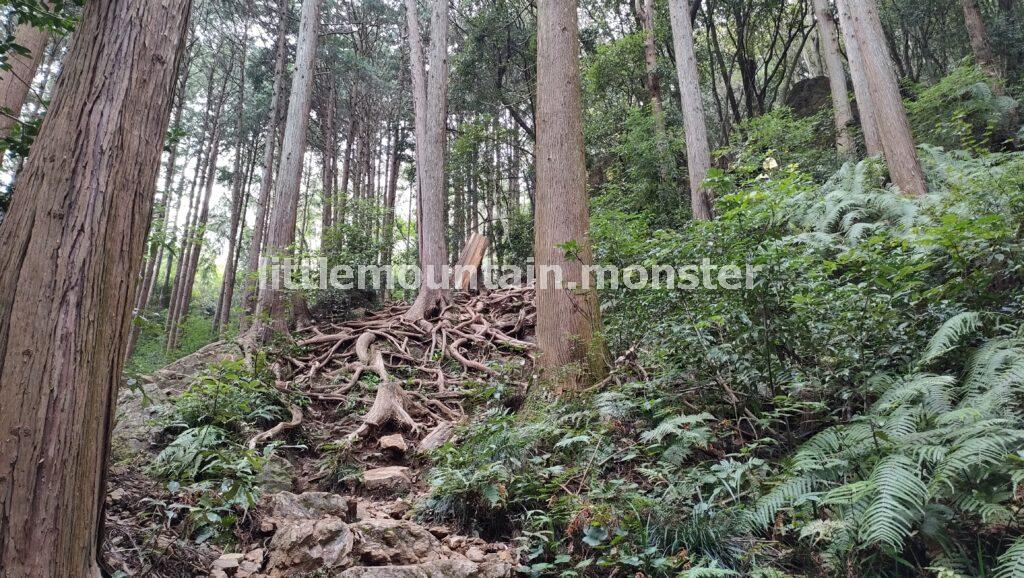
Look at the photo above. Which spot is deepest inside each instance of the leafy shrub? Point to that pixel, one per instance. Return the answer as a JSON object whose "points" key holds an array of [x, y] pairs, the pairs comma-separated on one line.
{"points": [[859, 407], [227, 396], [962, 112]]}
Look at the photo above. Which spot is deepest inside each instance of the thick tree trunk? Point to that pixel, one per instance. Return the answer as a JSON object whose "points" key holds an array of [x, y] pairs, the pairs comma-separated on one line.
{"points": [[868, 117], [698, 149], [16, 80], [568, 320], [894, 128], [267, 181], [980, 46], [272, 314], [842, 113], [430, 100], [73, 244]]}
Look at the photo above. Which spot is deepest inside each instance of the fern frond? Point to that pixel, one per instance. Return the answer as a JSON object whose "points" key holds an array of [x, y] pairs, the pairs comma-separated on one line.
{"points": [[950, 335], [900, 496], [1011, 562], [781, 496]]}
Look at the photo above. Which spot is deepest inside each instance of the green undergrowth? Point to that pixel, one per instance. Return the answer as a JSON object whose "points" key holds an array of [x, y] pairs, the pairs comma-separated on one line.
{"points": [[212, 476], [857, 412]]}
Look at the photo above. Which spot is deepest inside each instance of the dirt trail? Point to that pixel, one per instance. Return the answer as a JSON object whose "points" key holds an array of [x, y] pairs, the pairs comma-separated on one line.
{"points": [[309, 523]]}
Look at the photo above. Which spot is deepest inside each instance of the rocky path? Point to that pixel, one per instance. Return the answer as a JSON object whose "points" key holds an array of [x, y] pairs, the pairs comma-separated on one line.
{"points": [[301, 527], [372, 535]]}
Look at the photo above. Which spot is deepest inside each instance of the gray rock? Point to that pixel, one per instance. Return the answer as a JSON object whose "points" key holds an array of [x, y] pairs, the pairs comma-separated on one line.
{"points": [[379, 542], [304, 545], [394, 478], [309, 505]]}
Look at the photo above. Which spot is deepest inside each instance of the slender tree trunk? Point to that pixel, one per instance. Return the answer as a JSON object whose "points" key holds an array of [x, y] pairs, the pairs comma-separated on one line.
{"points": [[980, 46], [346, 175], [698, 149], [330, 157], [392, 192], [842, 113], [194, 246], [271, 309], [653, 83], [269, 155], [894, 128], [568, 321], [195, 232], [237, 199], [16, 80], [868, 116], [430, 100], [73, 244]]}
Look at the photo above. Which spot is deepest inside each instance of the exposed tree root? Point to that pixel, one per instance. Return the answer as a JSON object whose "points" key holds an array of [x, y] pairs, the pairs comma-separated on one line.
{"points": [[449, 346], [268, 435]]}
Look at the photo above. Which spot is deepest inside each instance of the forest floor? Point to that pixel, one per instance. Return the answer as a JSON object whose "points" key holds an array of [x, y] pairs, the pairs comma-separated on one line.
{"points": [[369, 399]]}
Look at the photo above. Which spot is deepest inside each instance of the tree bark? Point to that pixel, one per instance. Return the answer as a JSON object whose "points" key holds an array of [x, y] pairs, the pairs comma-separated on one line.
{"points": [[272, 315], [868, 117], [568, 320], [16, 81], [698, 149], [430, 100], [269, 155], [980, 46], [894, 128], [73, 243], [842, 113]]}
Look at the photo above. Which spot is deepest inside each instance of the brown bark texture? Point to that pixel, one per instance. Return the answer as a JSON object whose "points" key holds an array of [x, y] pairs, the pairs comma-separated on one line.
{"points": [[73, 245], [568, 321]]}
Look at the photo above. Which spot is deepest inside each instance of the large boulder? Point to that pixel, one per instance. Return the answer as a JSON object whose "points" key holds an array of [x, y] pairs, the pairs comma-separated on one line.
{"points": [[810, 96], [304, 545], [380, 542]]}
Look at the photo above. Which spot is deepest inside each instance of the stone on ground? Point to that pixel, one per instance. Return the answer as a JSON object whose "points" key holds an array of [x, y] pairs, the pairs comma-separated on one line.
{"points": [[393, 478]]}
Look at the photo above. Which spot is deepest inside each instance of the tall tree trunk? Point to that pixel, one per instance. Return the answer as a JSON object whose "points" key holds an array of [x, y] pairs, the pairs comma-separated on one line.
{"points": [[269, 156], [698, 149], [842, 113], [195, 231], [392, 192], [430, 100], [16, 80], [237, 198], [653, 84], [568, 321], [858, 72], [281, 234], [330, 156], [980, 46], [894, 128], [73, 244], [341, 215], [194, 247]]}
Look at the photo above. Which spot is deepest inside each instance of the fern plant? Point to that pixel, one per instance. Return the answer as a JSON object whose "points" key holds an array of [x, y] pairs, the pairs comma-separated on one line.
{"points": [[931, 448]]}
